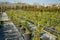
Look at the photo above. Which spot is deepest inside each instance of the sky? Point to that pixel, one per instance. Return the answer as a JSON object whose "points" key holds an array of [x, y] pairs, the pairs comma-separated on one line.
{"points": [[42, 2]]}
